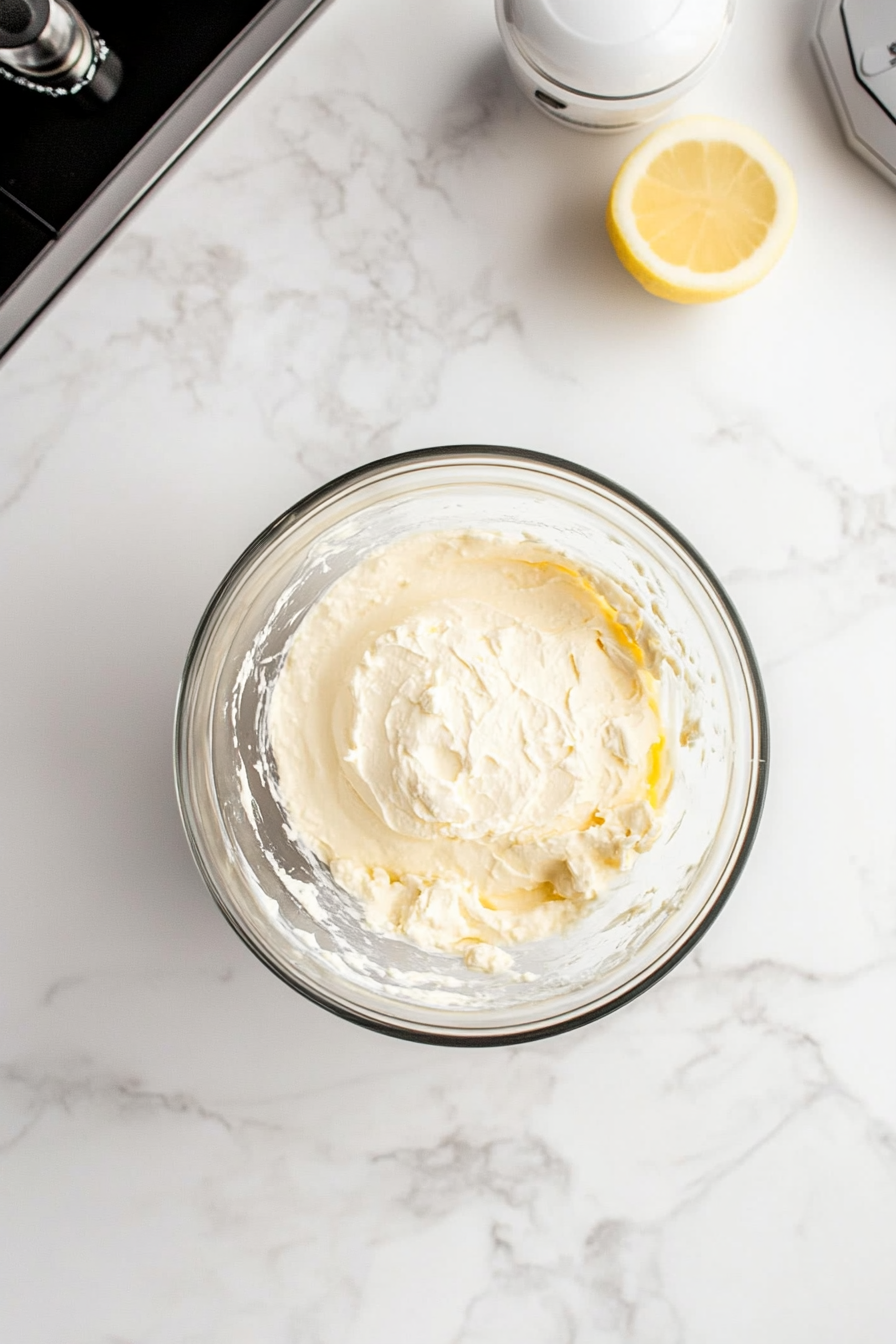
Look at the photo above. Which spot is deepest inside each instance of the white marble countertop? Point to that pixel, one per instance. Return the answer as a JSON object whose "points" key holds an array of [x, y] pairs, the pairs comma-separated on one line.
{"points": [[384, 247]]}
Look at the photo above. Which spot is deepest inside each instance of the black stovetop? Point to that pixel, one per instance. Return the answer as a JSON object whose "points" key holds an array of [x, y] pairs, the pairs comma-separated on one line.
{"points": [[56, 154]]}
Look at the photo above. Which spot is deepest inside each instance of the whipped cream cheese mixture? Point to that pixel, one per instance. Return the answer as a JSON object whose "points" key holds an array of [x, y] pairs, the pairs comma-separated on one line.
{"points": [[466, 729]]}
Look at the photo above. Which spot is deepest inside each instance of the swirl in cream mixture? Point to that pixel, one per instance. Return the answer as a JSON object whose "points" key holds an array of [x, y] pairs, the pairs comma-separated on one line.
{"points": [[466, 730]]}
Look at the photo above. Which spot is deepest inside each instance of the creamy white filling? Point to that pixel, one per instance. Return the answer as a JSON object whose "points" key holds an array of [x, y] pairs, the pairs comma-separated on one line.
{"points": [[466, 729]]}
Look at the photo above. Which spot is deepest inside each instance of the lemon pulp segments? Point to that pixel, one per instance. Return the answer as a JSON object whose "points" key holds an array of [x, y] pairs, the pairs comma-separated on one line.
{"points": [[705, 205]]}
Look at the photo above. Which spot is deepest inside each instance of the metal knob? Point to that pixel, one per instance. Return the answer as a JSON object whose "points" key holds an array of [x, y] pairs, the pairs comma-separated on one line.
{"points": [[46, 46], [21, 21]]}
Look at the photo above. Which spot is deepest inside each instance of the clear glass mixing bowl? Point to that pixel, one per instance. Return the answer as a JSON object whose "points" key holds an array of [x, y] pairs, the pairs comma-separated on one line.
{"points": [[284, 903]]}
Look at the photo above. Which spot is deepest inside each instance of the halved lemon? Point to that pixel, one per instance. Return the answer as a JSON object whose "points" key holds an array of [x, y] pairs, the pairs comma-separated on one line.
{"points": [[701, 210]]}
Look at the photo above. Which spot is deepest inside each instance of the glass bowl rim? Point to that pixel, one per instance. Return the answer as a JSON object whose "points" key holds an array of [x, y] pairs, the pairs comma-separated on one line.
{"points": [[447, 453]]}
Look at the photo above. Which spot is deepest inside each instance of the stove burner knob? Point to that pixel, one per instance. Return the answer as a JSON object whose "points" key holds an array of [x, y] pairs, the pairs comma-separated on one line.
{"points": [[21, 21], [46, 46]]}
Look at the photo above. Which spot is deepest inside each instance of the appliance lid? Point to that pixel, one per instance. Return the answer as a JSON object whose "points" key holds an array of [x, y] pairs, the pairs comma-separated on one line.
{"points": [[616, 48], [871, 33]]}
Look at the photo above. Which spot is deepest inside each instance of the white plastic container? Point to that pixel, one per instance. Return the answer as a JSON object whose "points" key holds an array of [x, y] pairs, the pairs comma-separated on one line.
{"points": [[606, 65]]}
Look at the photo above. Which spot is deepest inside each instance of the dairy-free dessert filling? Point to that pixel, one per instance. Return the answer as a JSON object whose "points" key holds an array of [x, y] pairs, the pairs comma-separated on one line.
{"points": [[467, 729]]}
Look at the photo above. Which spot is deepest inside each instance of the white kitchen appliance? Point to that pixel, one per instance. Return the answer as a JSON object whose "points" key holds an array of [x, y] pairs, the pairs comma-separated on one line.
{"points": [[605, 65], [855, 42]]}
